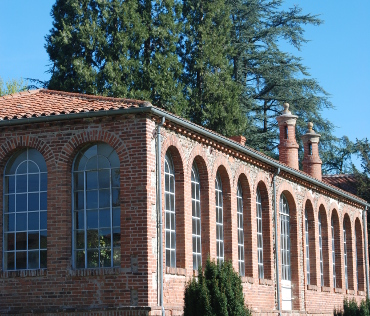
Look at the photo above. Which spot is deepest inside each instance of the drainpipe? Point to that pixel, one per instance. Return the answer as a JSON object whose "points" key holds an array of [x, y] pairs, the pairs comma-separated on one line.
{"points": [[159, 215], [364, 224], [276, 243]]}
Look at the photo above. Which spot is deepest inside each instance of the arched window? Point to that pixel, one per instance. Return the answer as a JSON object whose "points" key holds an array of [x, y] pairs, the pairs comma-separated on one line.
{"points": [[307, 247], [320, 249], [195, 199], [25, 211], [285, 238], [169, 206], [259, 234], [219, 220], [345, 255], [333, 253], [239, 197], [96, 207]]}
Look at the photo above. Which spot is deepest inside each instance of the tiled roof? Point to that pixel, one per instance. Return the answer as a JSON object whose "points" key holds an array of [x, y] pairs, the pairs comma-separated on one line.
{"points": [[35, 103], [346, 182]]}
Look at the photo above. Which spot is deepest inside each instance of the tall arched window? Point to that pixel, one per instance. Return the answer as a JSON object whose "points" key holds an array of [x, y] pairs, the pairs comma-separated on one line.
{"points": [[219, 220], [96, 207], [307, 247], [169, 206], [25, 211], [320, 249], [345, 255], [259, 234], [333, 253], [239, 197], [195, 199]]}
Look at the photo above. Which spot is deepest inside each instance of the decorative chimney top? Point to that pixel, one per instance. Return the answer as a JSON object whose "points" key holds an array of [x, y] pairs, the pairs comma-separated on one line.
{"points": [[311, 158], [310, 135]]}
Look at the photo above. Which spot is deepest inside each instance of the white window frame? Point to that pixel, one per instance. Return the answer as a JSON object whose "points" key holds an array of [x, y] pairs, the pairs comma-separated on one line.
{"points": [[219, 220], [196, 217], [333, 253], [307, 248], [170, 216], [285, 238], [345, 254], [239, 202], [259, 234], [107, 211], [320, 250], [15, 218]]}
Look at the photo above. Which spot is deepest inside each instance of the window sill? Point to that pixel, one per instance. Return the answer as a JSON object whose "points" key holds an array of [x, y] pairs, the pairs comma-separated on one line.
{"points": [[351, 292], [265, 282], [247, 280], [176, 271], [97, 271], [23, 273], [360, 293], [312, 287], [338, 290], [325, 289]]}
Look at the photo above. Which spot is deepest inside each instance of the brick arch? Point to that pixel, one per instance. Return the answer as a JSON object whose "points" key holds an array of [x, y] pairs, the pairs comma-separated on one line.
{"points": [[338, 237], [286, 189], [178, 164], [310, 250], [12, 145], [326, 277], [78, 141], [347, 225], [262, 186], [199, 158], [360, 264], [248, 219]]}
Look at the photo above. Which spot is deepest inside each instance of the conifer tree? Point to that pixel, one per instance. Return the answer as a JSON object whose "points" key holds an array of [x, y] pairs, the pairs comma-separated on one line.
{"points": [[270, 76], [116, 48], [205, 47]]}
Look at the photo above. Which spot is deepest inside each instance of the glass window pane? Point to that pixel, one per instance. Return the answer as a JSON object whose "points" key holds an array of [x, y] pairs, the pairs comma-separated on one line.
{"points": [[43, 201], [114, 160], [91, 199], [115, 197], [79, 220], [80, 239], [9, 222], [116, 257], [105, 238], [78, 181], [116, 217], [92, 238], [104, 218], [9, 203], [33, 202], [92, 164], [10, 184], [9, 241], [116, 237], [43, 259], [22, 168], [21, 241], [92, 258], [79, 200], [33, 182], [9, 260], [33, 221], [21, 202], [115, 178], [21, 221], [80, 259], [104, 179], [43, 181], [104, 198], [43, 239], [92, 219], [91, 180], [21, 183], [33, 240], [103, 162], [21, 260], [33, 260], [43, 220]]}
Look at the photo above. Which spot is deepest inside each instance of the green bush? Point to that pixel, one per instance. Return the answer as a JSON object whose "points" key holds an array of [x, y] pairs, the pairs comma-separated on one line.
{"points": [[350, 308], [217, 292]]}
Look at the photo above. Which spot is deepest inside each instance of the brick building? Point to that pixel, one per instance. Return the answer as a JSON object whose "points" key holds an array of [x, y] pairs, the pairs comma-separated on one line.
{"points": [[81, 231]]}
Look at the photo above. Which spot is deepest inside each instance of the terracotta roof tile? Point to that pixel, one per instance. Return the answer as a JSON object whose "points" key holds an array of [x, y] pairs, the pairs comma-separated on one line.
{"points": [[346, 182], [35, 103]]}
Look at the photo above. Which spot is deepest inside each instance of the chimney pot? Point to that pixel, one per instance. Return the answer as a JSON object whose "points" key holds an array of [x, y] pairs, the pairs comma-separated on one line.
{"points": [[311, 158]]}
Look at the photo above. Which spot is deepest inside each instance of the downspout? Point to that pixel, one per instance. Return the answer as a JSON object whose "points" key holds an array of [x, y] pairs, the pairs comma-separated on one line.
{"points": [[364, 224], [159, 215], [276, 243]]}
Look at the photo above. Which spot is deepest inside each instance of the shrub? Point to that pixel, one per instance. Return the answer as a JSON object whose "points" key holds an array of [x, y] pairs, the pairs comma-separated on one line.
{"points": [[217, 292], [350, 308]]}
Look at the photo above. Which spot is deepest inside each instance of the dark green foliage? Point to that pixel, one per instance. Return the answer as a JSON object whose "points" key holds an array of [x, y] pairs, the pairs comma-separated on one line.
{"points": [[117, 48], [217, 292], [205, 48], [363, 178], [350, 308]]}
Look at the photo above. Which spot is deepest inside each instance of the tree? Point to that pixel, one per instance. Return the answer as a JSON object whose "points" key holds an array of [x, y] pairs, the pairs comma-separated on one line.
{"points": [[217, 292], [116, 48], [337, 156], [12, 86], [363, 178], [205, 47], [270, 76]]}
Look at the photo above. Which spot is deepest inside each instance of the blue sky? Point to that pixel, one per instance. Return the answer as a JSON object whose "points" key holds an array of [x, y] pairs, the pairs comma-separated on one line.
{"points": [[338, 54]]}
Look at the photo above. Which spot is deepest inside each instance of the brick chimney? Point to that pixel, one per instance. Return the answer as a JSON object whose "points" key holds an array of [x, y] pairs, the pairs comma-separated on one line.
{"points": [[311, 159], [288, 147], [240, 139]]}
